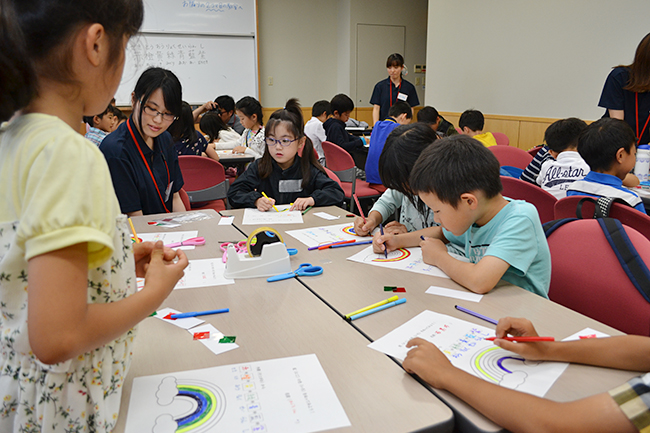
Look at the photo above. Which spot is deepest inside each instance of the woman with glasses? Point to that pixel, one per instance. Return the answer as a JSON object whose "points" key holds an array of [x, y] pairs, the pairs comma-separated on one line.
{"points": [[140, 153], [288, 172]]}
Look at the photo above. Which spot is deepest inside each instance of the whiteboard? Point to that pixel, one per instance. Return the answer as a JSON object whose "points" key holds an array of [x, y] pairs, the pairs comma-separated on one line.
{"points": [[207, 66], [200, 17]]}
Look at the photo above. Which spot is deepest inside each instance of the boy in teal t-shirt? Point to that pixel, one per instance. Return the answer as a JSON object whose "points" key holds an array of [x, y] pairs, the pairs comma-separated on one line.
{"points": [[458, 179]]}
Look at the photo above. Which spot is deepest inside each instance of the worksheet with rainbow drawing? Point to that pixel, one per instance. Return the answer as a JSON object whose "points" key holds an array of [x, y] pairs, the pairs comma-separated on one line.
{"points": [[291, 395], [465, 345], [405, 259], [314, 236]]}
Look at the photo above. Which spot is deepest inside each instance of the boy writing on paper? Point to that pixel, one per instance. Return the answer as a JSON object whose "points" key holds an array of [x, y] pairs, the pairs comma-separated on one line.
{"points": [[623, 409], [458, 179]]}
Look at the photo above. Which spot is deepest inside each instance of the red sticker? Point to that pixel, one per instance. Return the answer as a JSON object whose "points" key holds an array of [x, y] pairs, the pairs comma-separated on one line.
{"points": [[201, 335], [169, 316], [399, 290], [582, 337]]}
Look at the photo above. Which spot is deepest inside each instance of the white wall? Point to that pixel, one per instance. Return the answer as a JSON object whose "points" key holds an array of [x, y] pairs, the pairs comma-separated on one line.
{"points": [[546, 58], [309, 46], [298, 47]]}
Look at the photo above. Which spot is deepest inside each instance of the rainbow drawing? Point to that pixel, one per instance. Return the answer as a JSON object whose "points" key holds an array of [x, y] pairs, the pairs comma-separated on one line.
{"points": [[488, 364], [206, 407], [349, 230], [206, 404], [394, 256]]}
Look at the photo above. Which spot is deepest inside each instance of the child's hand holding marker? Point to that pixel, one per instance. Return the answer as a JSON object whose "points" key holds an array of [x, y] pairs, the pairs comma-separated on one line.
{"points": [[432, 248], [384, 243], [534, 351], [265, 203]]}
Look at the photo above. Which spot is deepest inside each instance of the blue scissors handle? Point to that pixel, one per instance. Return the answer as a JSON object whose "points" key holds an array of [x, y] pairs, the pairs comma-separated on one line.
{"points": [[307, 270], [304, 270]]}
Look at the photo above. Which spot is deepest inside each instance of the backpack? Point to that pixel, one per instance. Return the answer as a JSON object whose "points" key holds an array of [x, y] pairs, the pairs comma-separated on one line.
{"points": [[628, 257]]}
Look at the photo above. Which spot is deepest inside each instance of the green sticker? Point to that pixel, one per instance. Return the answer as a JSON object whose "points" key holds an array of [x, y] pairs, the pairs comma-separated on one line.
{"points": [[389, 288], [228, 339]]}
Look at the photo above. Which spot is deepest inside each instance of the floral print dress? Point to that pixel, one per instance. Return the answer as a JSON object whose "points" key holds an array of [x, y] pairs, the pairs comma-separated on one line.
{"points": [[79, 395]]}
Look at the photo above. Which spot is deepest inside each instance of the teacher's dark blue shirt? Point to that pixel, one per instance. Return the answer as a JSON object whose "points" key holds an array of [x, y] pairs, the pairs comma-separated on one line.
{"points": [[381, 95], [133, 185]]}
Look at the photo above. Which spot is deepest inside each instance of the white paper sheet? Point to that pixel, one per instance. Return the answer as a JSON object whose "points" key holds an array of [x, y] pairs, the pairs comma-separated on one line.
{"points": [[586, 333], [284, 216], [327, 216], [457, 294], [226, 220], [204, 273], [186, 323], [315, 236], [465, 345], [170, 237], [289, 395], [212, 343], [405, 259]]}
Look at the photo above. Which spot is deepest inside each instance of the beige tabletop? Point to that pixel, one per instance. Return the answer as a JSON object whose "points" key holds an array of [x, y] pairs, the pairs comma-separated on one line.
{"points": [[280, 320], [348, 286]]}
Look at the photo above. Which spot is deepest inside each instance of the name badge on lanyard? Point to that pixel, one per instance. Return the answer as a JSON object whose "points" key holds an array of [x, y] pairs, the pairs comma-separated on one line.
{"points": [[168, 191], [402, 96], [290, 185]]}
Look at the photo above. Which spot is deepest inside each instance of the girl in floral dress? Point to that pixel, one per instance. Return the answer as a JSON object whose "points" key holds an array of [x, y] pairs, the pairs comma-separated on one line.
{"points": [[68, 303]]}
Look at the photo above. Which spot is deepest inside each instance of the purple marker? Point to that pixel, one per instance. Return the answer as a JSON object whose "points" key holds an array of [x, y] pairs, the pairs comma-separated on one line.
{"points": [[475, 314]]}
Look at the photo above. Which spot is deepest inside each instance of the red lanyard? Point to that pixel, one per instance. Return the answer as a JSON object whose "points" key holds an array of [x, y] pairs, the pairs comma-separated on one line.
{"points": [[638, 136], [390, 86], [128, 124]]}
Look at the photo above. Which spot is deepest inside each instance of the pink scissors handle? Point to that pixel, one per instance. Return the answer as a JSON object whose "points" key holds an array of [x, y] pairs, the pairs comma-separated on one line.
{"points": [[187, 242], [240, 247]]}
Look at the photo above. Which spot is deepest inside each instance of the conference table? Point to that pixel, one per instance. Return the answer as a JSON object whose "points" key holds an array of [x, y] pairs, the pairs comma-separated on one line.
{"points": [[226, 157], [346, 286], [275, 321]]}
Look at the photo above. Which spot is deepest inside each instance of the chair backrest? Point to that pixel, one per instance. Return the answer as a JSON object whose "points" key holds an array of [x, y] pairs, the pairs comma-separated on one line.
{"points": [[205, 178], [333, 176], [566, 208], [521, 190], [339, 161], [532, 152], [501, 139], [587, 277], [508, 155], [185, 199]]}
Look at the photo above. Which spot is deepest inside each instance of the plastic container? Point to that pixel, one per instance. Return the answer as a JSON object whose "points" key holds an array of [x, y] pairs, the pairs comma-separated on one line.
{"points": [[642, 166]]}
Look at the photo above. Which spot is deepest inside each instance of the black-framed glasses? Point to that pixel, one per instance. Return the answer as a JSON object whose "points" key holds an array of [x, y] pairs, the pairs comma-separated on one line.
{"points": [[284, 142], [168, 117]]}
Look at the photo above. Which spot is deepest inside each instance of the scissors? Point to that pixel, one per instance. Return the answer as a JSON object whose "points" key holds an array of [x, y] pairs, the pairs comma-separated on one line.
{"points": [[240, 247], [304, 270], [187, 242]]}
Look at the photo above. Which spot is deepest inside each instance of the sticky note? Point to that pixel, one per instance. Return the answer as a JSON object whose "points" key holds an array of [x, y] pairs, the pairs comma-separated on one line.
{"points": [[201, 335]]}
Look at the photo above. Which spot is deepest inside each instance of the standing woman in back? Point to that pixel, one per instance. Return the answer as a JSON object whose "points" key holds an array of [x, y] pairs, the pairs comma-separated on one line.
{"points": [[68, 300], [392, 89], [626, 94], [140, 152]]}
